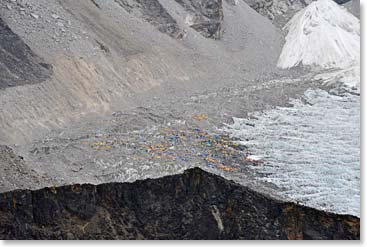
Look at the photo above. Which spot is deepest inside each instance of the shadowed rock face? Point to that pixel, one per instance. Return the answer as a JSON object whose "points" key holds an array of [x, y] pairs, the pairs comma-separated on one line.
{"points": [[206, 16], [354, 7], [154, 13], [18, 64], [280, 11], [193, 205]]}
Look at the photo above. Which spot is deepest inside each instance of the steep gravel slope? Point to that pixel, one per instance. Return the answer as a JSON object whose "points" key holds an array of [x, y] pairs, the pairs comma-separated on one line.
{"points": [[15, 172], [103, 53]]}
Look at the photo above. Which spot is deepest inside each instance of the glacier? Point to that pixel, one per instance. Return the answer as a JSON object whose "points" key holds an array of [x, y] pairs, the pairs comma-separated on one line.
{"points": [[311, 149]]}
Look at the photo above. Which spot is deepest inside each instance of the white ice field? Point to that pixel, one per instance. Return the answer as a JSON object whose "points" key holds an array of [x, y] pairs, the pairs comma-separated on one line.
{"points": [[311, 149]]}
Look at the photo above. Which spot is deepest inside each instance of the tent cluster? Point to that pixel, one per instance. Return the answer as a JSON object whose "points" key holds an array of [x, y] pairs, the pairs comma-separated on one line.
{"points": [[186, 145]]}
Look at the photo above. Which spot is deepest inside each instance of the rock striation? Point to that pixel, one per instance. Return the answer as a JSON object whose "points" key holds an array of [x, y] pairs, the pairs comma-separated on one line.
{"points": [[192, 205]]}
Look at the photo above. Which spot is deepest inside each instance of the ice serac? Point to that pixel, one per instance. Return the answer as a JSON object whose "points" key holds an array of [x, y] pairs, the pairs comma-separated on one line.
{"points": [[193, 205], [323, 35], [310, 150]]}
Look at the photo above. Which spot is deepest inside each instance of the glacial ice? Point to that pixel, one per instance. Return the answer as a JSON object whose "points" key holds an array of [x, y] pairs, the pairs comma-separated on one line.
{"points": [[311, 150]]}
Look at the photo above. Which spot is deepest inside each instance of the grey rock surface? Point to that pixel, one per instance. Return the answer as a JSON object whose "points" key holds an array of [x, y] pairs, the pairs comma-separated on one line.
{"points": [[354, 7], [15, 172], [154, 13]]}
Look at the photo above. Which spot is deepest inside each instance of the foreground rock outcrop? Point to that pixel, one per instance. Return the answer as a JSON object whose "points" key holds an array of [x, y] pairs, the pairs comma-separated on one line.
{"points": [[193, 205]]}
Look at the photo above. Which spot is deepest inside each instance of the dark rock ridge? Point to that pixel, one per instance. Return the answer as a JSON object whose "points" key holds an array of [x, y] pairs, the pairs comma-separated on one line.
{"points": [[154, 13], [206, 16], [193, 205], [280, 11], [18, 64]]}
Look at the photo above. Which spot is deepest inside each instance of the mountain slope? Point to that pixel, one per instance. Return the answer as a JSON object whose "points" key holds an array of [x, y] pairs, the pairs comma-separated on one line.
{"points": [[104, 53], [322, 35]]}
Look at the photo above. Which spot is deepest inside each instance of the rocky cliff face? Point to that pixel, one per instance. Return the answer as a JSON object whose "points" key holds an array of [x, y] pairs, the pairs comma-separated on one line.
{"points": [[277, 10], [205, 16], [193, 205], [280, 11], [354, 7], [154, 13], [18, 63]]}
